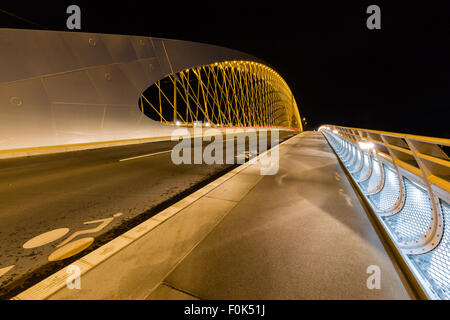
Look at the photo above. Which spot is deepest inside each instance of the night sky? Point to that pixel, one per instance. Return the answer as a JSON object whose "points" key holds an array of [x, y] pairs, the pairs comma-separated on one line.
{"points": [[395, 79]]}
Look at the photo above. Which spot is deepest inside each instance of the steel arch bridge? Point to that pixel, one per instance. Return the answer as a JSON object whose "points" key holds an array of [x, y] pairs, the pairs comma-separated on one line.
{"points": [[230, 93], [72, 89]]}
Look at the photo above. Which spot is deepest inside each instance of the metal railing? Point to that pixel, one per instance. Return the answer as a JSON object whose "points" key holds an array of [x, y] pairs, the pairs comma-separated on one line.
{"points": [[406, 180]]}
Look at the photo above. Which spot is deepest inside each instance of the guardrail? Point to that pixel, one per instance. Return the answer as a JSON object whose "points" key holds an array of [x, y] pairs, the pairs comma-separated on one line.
{"points": [[405, 179]]}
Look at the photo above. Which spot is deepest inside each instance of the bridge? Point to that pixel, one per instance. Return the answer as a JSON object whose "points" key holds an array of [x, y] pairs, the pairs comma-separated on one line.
{"points": [[145, 168]]}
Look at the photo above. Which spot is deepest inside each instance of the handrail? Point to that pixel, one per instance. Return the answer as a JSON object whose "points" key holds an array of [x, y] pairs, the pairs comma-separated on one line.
{"points": [[417, 217]]}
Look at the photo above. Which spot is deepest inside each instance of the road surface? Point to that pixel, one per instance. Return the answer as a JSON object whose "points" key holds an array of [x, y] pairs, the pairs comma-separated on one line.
{"points": [[76, 191]]}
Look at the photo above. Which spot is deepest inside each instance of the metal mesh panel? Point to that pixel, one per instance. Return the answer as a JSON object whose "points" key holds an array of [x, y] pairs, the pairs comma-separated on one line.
{"points": [[350, 153], [347, 153], [342, 148], [334, 143], [338, 147], [370, 184], [361, 174], [388, 196], [414, 220], [357, 163], [435, 265], [351, 160]]}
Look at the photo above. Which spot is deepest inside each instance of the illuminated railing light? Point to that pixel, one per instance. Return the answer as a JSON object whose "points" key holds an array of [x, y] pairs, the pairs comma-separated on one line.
{"points": [[412, 225], [366, 145], [178, 123], [335, 131]]}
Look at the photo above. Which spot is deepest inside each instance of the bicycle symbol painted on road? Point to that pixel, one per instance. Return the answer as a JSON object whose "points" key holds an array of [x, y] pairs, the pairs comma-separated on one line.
{"points": [[67, 248]]}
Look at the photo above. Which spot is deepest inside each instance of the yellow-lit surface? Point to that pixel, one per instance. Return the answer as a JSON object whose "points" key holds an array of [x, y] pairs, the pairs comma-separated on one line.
{"points": [[232, 93]]}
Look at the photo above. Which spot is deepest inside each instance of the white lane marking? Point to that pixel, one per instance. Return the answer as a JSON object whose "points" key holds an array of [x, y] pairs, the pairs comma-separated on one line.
{"points": [[145, 155], [5, 270], [153, 154]]}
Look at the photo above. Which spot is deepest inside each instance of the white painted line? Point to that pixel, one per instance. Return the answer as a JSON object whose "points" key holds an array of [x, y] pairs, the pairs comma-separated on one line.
{"points": [[145, 155], [156, 153]]}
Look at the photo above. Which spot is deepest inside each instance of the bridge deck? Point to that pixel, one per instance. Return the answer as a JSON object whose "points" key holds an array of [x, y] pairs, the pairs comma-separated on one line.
{"points": [[299, 234]]}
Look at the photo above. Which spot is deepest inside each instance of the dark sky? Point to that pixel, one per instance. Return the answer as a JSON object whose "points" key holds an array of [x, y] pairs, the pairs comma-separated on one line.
{"points": [[395, 79]]}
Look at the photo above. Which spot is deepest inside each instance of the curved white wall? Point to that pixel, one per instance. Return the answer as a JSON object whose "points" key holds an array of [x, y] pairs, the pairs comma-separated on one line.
{"points": [[59, 88]]}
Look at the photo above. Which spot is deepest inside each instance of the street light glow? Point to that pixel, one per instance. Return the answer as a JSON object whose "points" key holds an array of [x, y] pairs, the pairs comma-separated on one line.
{"points": [[366, 145]]}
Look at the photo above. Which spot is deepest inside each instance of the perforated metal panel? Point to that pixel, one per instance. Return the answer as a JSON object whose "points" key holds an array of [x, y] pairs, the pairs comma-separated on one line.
{"points": [[435, 265], [361, 174], [349, 153], [357, 163], [340, 148], [349, 158], [411, 223], [340, 144], [372, 183], [389, 194]]}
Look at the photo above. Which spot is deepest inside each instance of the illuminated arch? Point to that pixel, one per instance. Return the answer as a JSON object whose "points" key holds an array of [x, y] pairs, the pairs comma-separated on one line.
{"points": [[231, 93]]}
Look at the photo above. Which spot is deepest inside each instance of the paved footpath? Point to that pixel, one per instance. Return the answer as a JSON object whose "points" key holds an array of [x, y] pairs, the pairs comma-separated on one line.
{"points": [[299, 234]]}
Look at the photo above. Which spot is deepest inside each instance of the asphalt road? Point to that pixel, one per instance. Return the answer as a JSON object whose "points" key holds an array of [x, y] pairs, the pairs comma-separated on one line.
{"points": [[42, 193]]}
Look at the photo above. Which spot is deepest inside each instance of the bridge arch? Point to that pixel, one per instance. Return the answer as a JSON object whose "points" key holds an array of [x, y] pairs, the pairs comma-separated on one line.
{"points": [[70, 88]]}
